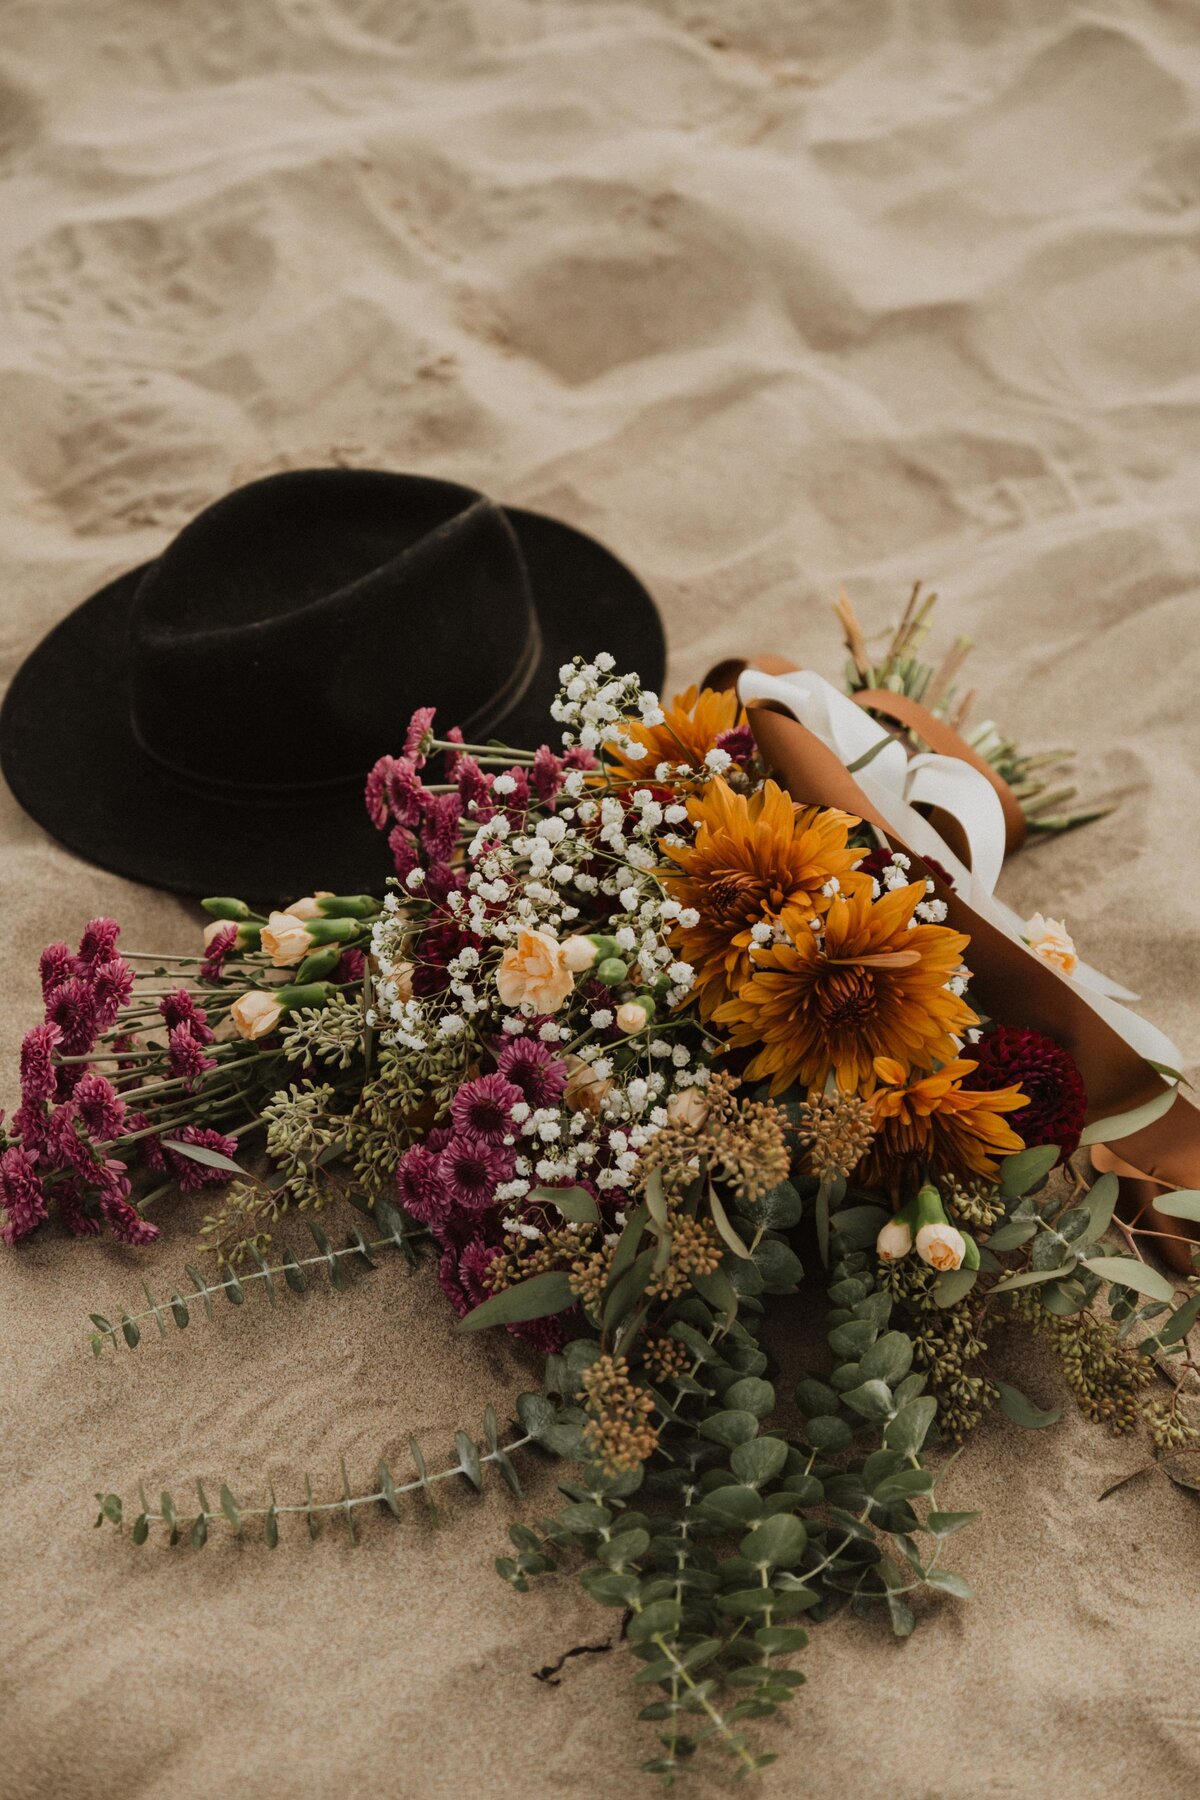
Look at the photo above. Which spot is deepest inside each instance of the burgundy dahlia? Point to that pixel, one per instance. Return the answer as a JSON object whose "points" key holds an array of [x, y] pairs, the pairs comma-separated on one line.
{"points": [[1015, 1056]]}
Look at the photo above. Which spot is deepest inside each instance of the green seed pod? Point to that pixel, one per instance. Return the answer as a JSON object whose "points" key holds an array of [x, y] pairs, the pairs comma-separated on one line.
{"points": [[311, 994], [612, 971], [333, 931]]}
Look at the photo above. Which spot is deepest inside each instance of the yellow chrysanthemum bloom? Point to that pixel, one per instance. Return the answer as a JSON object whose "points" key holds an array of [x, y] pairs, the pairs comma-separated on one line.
{"points": [[693, 723], [750, 861], [868, 984], [958, 1131]]}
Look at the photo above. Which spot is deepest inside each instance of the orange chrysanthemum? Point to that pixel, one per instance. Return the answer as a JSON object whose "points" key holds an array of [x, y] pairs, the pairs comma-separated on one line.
{"points": [[693, 723], [870, 984], [749, 861], [933, 1118]]}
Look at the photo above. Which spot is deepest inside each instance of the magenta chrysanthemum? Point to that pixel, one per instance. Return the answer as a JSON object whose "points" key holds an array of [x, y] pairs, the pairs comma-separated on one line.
{"points": [[406, 796], [190, 1174], [439, 832], [473, 1169], [461, 1272], [375, 793], [100, 1107], [98, 942], [220, 946], [421, 1186], [37, 1064], [350, 965], [72, 1007], [1014, 1056], [112, 985], [185, 1056], [179, 1008], [540, 1075], [124, 1220], [21, 1195], [483, 1108], [55, 965], [546, 775], [416, 738], [69, 1198]]}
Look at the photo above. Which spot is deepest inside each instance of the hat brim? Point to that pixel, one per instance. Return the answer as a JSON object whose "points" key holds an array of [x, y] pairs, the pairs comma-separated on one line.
{"points": [[70, 756]]}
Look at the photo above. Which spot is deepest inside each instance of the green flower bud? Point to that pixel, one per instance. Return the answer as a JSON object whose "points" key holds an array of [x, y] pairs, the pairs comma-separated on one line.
{"points": [[224, 908], [612, 971], [295, 996], [349, 906], [318, 964], [333, 931]]}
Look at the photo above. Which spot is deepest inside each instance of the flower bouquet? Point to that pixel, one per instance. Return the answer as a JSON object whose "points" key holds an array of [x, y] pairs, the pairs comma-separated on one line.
{"points": [[638, 1020]]}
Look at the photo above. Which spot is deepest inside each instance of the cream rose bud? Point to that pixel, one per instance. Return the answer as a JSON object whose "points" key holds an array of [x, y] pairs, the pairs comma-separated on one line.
{"points": [[1050, 939], [894, 1241], [533, 972], [285, 940], [579, 953], [688, 1107], [585, 1090], [632, 1017], [941, 1247], [256, 1014]]}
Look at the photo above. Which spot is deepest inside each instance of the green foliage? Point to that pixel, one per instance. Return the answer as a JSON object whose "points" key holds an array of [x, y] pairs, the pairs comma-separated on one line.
{"points": [[231, 1286]]}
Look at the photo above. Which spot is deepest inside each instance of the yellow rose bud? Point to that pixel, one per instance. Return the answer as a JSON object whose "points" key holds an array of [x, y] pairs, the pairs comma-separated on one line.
{"points": [[256, 1014], [285, 939]]}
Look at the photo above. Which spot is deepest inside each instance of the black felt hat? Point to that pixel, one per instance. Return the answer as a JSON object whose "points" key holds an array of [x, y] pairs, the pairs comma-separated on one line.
{"points": [[205, 723]]}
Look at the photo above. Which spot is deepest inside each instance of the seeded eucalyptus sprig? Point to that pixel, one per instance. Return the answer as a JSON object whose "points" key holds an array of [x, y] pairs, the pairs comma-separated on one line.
{"points": [[292, 1269], [471, 1461]]}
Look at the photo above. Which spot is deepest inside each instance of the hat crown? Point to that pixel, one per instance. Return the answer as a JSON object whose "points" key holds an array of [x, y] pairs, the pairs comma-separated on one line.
{"points": [[289, 631]]}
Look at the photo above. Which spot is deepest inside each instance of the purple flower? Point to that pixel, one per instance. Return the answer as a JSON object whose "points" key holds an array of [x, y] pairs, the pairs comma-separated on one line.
{"points": [[220, 945], [98, 943], [100, 1107], [416, 738], [55, 965], [547, 773], [403, 846], [453, 757], [738, 742], [67, 1143], [112, 984], [69, 1195], [124, 1220], [406, 797], [375, 794], [37, 1064], [579, 758], [350, 965], [439, 832], [540, 1075], [461, 1271], [420, 1185], [72, 1007], [473, 1169], [21, 1195], [483, 1108], [516, 804], [190, 1174], [185, 1056], [474, 788], [180, 1009]]}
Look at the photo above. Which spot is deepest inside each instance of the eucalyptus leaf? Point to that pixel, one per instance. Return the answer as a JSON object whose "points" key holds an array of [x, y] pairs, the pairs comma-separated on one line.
{"points": [[1129, 1272], [1183, 1203], [200, 1153], [1026, 1168], [538, 1298], [1022, 1411], [777, 1543]]}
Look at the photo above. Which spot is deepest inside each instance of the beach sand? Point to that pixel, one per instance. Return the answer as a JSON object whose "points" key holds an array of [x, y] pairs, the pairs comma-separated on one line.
{"points": [[772, 296]]}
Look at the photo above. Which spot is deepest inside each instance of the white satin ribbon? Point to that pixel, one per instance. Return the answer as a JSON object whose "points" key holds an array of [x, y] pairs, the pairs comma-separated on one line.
{"points": [[896, 784]]}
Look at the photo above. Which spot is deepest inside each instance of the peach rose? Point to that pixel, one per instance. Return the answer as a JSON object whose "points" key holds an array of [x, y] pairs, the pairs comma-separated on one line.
{"points": [[585, 1090], [533, 973], [256, 1014], [285, 940], [1050, 939], [688, 1107]]}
